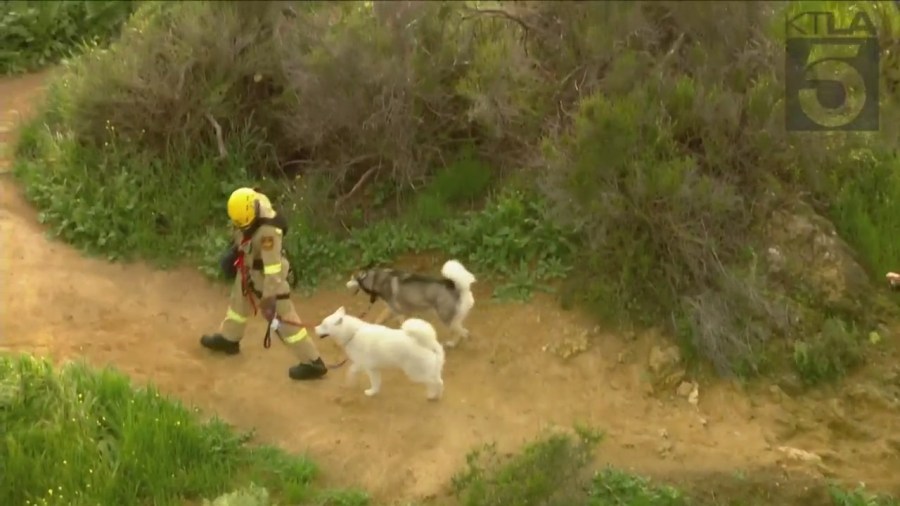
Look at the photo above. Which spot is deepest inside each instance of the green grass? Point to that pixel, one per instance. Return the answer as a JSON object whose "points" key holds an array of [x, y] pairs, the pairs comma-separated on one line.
{"points": [[865, 208], [76, 436], [34, 35], [97, 201], [556, 470], [79, 436]]}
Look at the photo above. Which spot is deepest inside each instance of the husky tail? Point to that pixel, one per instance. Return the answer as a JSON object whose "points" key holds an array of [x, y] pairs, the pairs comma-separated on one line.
{"points": [[462, 279], [423, 333]]}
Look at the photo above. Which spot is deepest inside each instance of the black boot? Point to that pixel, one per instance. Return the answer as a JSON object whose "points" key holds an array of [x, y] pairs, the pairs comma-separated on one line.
{"points": [[217, 342], [308, 371]]}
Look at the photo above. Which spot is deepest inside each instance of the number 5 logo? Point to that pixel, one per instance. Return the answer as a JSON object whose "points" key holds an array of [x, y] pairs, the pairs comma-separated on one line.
{"points": [[832, 84]]}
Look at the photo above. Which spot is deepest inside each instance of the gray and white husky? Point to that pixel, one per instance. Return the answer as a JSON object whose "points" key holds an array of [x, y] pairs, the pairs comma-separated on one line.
{"points": [[405, 293]]}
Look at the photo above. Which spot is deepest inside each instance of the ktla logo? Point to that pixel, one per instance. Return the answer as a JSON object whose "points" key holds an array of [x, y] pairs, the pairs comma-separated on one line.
{"points": [[831, 73]]}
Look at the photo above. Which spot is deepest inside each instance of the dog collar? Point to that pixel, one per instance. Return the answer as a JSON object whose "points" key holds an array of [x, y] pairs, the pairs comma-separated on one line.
{"points": [[371, 293]]}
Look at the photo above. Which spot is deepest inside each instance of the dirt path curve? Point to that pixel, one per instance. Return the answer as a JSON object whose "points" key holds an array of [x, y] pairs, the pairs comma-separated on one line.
{"points": [[501, 386]]}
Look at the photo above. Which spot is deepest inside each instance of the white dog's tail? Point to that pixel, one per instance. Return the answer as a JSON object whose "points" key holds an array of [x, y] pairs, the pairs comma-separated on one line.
{"points": [[423, 333]]}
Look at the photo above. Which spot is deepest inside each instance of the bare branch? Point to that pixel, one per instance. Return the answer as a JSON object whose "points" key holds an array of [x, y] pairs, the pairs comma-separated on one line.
{"points": [[676, 46], [359, 184], [499, 13], [218, 128]]}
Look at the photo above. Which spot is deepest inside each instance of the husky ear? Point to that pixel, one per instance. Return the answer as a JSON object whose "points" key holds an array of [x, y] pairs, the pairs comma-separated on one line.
{"points": [[341, 311]]}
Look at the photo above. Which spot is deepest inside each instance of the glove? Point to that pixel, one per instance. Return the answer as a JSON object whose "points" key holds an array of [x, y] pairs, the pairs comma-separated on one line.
{"points": [[267, 306], [226, 262]]}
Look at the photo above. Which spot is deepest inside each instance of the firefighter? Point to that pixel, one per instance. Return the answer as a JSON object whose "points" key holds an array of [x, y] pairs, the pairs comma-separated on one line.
{"points": [[261, 282]]}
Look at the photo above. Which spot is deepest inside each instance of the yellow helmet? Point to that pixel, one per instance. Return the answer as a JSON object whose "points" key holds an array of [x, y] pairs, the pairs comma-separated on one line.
{"points": [[242, 206]]}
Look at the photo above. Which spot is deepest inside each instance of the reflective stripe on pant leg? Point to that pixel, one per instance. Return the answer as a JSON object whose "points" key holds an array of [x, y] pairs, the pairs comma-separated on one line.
{"points": [[233, 315], [272, 269], [292, 335], [296, 337], [234, 323]]}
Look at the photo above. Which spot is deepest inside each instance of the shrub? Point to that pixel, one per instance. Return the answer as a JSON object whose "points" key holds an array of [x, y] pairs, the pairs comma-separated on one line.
{"points": [[859, 497], [106, 211], [77, 436], [325, 91], [556, 469], [645, 141], [830, 354], [37, 34], [865, 207], [548, 471], [670, 166]]}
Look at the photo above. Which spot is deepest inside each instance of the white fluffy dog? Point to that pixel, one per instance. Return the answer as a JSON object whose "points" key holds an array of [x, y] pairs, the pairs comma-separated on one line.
{"points": [[413, 347]]}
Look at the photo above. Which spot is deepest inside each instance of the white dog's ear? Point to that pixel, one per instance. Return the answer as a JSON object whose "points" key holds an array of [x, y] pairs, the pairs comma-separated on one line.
{"points": [[340, 321], [341, 311]]}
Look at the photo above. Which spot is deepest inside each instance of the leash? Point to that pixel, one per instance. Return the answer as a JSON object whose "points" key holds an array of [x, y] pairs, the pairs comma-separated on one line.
{"points": [[364, 313], [373, 296], [245, 276], [275, 323]]}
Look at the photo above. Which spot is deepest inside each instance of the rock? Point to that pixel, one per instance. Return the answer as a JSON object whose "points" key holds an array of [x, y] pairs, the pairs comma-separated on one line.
{"points": [[788, 427], [570, 346], [665, 448], [673, 378], [661, 360], [694, 396], [871, 395], [830, 457], [777, 392], [665, 367], [826, 471], [836, 409], [791, 385], [799, 455], [777, 262], [806, 246], [685, 388]]}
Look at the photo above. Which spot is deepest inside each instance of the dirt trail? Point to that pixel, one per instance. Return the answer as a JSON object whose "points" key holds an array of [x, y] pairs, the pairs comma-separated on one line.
{"points": [[500, 386]]}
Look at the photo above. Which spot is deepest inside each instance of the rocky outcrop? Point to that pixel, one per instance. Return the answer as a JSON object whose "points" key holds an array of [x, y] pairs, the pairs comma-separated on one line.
{"points": [[806, 254]]}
